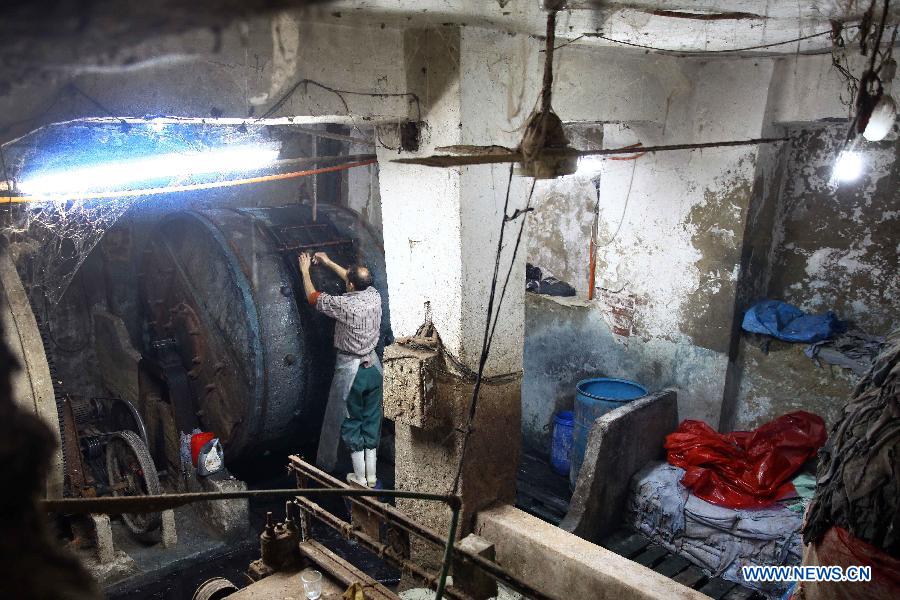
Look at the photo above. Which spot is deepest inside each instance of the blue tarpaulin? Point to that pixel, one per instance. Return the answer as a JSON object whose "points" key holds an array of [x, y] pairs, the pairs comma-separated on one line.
{"points": [[787, 322]]}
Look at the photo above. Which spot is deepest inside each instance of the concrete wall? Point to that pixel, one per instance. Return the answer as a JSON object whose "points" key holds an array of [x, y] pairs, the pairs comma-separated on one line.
{"points": [[831, 247], [837, 244], [688, 239], [363, 191], [670, 234]]}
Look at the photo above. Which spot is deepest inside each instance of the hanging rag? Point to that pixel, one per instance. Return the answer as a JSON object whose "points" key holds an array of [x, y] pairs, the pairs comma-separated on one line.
{"points": [[346, 367], [858, 481], [354, 592], [853, 349]]}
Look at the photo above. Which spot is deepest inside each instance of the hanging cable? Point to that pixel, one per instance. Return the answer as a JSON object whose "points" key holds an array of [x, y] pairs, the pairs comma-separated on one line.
{"points": [[340, 94], [720, 51], [624, 208]]}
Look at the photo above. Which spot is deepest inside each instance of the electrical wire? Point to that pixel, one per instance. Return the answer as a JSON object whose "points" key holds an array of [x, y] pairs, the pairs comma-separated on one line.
{"points": [[340, 94], [877, 45], [516, 214], [702, 52], [852, 132], [624, 208]]}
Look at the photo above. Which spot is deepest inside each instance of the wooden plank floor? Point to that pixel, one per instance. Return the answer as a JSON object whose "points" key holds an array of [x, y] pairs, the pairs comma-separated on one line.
{"points": [[638, 548], [540, 491]]}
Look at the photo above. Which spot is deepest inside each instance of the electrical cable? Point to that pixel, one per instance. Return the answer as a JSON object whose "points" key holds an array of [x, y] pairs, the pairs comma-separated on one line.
{"points": [[493, 318], [624, 208], [631, 157], [702, 52], [852, 132], [877, 45], [485, 344], [523, 213], [340, 94]]}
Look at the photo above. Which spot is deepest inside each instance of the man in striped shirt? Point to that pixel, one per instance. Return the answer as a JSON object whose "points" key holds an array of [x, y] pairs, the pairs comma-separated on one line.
{"points": [[354, 408]]}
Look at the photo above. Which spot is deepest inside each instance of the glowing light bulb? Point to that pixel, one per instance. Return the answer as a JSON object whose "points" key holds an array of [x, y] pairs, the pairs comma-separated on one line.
{"points": [[882, 120], [848, 166]]}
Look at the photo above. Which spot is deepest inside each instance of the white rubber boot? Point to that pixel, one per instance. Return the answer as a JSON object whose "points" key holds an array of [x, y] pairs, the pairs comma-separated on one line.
{"points": [[358, 476], [371, 477]]}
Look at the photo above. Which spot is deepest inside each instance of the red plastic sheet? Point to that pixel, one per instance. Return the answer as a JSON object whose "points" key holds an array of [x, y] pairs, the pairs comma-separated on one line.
{"points": [[745, 469]]}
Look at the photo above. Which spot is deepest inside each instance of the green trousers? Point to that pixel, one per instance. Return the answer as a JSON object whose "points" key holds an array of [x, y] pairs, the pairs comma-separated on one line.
{"points": [[361, 430]]}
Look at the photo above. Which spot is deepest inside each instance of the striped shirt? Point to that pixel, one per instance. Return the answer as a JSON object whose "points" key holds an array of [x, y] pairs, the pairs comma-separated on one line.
{"points": [[357, 318]]}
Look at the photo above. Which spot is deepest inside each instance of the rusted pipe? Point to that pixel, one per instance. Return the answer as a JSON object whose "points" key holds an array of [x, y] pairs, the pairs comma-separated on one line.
{"points": [[117, 505]]}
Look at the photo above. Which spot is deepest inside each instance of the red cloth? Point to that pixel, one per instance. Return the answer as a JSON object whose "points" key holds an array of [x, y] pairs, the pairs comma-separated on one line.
{"points": [[313, 298], [745, 469]]}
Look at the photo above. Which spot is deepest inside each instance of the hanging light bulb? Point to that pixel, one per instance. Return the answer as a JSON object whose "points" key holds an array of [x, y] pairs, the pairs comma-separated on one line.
{"points": [[848, 166], [882, 119], [589, 165]]}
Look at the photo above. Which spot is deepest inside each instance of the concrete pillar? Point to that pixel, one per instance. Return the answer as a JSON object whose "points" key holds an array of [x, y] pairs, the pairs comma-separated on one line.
{"points": [[103, 539], [441, 229], [469, 578], [168, 531]]}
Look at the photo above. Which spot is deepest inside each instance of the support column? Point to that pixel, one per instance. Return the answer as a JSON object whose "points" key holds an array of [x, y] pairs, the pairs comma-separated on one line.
{"points": [[441, 230]]}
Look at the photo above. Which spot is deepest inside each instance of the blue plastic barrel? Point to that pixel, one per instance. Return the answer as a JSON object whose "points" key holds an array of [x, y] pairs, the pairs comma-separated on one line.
{"points": [[594, 398], [562, 442]]}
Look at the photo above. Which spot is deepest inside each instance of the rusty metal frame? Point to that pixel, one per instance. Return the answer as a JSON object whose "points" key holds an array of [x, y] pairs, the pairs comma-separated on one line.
{"points": [[398, 518], [364, 497], [382, 550]]}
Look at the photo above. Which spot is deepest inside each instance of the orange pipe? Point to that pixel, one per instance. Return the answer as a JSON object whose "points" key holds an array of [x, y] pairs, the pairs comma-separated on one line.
{"points": [[592, 269]]}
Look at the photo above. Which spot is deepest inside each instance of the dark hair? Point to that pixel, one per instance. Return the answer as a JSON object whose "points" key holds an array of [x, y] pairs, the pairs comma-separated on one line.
{"points": [[360, 277]]}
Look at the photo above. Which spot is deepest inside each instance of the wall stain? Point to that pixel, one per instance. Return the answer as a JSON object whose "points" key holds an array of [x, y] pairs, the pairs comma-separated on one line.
{"points": [[839, 245], [718, 230]]}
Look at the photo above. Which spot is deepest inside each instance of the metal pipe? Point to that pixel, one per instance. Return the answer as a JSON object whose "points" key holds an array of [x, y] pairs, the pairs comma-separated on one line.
{"points": [[448, 553], [315, 245], [117, 505], [404, 522]]}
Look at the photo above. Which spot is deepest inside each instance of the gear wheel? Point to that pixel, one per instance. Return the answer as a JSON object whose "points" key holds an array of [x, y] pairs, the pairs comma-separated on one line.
{"points": [[132, 473]]}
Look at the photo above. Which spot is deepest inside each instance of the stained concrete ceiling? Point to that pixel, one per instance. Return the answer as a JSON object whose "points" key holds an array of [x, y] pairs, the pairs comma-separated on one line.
{"points": [[679, 25], [35, 30], [49, 42]]}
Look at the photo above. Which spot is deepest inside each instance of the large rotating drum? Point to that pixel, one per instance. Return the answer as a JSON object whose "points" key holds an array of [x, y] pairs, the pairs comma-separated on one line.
{"points": [[222, 288], [32, 386]]}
